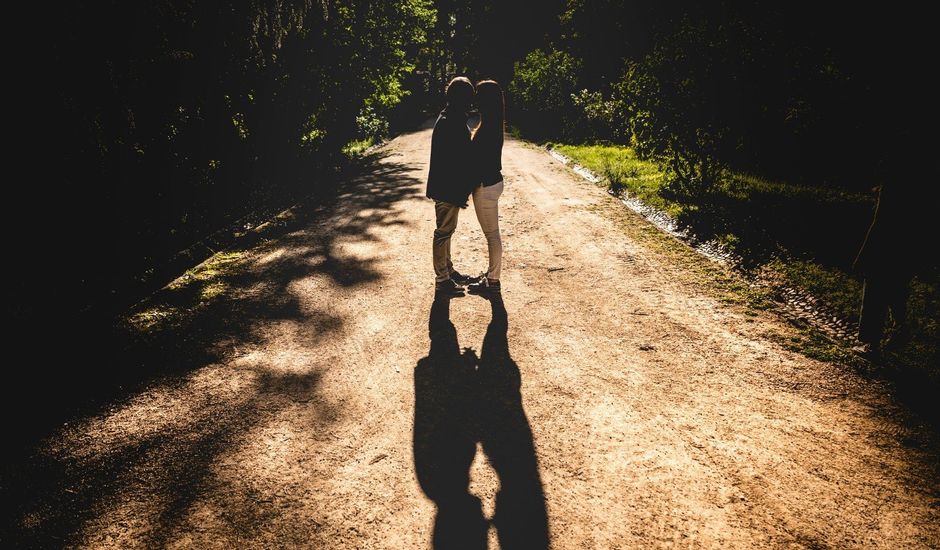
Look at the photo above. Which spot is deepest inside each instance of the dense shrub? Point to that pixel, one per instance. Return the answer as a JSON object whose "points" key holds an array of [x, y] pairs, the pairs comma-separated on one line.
{"points": [[541, 92], [601, 119], [685, 103]]}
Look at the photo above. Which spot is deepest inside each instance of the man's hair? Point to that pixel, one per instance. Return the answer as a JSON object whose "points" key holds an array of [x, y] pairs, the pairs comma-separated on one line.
{"points": [[459, 90]]}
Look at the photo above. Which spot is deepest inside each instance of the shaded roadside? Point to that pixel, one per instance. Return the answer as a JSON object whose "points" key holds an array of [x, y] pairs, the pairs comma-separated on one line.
{"points": [[169, 345]]}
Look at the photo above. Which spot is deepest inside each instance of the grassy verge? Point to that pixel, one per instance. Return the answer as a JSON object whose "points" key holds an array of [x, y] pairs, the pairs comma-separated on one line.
{"points": [[792, 236], [198, 287], [621, 167], [358, 147]]}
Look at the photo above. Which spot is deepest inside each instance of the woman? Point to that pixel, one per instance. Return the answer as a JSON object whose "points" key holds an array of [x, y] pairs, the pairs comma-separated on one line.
{"points": [[486, 148]]}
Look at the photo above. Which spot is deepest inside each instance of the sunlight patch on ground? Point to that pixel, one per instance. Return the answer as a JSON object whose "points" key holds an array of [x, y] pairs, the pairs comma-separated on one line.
{"points": [[484, 484], [275, 255]]}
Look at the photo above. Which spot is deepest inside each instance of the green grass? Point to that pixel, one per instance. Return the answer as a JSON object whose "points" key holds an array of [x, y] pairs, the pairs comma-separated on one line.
{"points": [[747, 185], [644, 180], [198, 287], [620, 164], [358, 147]]}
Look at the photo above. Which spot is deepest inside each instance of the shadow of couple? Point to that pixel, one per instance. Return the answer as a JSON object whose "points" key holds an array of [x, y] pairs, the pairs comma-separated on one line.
{"points": [[462, 400]]}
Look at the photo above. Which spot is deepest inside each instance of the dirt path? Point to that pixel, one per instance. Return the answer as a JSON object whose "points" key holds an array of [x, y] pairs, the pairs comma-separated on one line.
{"points": [[648, 415]]}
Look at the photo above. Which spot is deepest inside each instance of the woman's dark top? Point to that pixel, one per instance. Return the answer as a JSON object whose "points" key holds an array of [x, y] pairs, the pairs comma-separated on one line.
{"points": [[487, 149]]}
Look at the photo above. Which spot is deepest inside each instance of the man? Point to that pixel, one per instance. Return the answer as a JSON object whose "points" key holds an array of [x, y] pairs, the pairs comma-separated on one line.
{"points": [[450, 180], [888, 269]]}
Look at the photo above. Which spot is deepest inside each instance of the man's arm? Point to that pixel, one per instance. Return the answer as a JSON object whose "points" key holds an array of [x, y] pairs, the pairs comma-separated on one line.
{"points": [[457, 152], [465, 161]]}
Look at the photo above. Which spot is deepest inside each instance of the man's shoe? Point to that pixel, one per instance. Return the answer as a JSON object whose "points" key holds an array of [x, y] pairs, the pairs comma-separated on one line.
{"points": [[461, 279], [868, 351], [448, 288], [484, 287]]}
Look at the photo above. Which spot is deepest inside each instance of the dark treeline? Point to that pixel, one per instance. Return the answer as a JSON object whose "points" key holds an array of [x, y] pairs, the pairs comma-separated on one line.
{"points": [[173, 118], [158, 123], [809, 93], [484, 39]]}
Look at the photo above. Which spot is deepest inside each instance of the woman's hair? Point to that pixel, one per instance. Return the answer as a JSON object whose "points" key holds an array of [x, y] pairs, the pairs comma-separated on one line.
{"points": [[492, 108]]}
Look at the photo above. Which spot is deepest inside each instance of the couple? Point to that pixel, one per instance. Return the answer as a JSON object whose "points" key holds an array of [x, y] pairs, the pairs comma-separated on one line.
{"points": [[465, 165]]}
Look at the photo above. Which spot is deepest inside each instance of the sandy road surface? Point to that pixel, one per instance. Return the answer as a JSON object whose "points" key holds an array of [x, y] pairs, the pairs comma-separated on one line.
{"points": [[605, 402]]}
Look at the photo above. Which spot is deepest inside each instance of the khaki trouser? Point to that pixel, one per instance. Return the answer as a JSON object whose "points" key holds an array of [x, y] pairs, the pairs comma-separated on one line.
{"points": [[486, 204], [446, 215]]}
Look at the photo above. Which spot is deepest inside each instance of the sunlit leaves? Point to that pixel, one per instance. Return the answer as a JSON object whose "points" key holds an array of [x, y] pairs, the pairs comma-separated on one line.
{"points": [[542, 88]]}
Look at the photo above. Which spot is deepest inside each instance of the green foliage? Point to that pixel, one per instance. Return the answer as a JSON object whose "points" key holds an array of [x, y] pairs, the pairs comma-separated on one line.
{"points": [[677, 115], [615, 178], [753, 216], [369, 125], [541, 91], [358, 147], [600, 117], [190, 115], [545, 80]]}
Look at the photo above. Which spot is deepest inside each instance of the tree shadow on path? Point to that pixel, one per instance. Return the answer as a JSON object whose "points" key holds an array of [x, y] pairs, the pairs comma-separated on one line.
{"points": [[460, 401], [172, 387]]}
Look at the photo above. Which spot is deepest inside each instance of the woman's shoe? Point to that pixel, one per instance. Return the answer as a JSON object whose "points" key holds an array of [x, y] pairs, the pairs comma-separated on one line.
{"points": [[484, 286]]}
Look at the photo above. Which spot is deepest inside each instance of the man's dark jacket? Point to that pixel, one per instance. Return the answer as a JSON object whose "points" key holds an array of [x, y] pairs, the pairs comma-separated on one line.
{"points": [[885, 251], [451, 177]]}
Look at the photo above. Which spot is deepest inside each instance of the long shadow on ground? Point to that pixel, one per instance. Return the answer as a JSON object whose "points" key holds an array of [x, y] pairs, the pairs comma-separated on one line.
{"points": [[54, 486], [460, 401]]}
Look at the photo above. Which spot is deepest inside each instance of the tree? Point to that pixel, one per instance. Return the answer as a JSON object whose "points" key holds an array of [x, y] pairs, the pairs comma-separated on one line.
{"points": [[175, 118], [688, 104], [542, 90]]}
